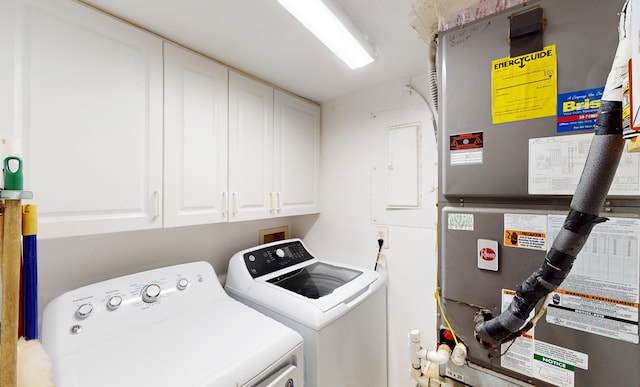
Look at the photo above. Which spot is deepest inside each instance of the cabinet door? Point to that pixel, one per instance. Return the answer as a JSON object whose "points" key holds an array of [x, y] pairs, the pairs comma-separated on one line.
{"points": [[250, 149], [88, 97], [296, 155], [195, 139]]}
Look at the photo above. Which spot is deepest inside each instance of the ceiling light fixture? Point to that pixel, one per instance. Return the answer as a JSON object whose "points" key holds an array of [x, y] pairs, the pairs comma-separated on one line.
{"points": [[330, 24]]}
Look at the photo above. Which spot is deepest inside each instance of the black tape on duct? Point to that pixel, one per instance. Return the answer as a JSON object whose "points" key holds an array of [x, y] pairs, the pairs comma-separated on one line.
{"points": [[525, 32], [609, 120], [581, 223]]}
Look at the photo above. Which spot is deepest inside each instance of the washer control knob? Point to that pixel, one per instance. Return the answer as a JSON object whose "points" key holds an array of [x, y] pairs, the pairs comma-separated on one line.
{"points": [[114, 302], [151, 293], [84, 310], [280, 253], [182, 284]]}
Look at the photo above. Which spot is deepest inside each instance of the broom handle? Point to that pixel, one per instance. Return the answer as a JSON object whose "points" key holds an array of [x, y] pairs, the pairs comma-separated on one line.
{"points": [[10, 292]]}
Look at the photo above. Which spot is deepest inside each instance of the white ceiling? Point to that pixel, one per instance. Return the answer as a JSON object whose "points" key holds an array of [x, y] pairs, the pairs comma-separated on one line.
{"points": [[260, 38]]}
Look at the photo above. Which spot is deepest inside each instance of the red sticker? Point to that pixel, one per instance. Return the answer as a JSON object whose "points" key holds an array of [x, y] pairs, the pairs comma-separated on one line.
{"points": [[466, 141]]}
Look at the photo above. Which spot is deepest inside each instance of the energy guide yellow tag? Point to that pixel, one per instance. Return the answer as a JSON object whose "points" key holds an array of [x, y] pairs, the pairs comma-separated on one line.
{"points": [[524, 87]]}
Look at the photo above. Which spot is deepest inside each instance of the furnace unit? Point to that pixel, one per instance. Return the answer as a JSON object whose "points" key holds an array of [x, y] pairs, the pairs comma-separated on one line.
{"points": [[518, 95]]}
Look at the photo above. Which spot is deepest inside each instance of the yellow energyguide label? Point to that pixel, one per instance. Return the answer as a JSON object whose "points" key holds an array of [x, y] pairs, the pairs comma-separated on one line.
{"points": [[524, 87]]}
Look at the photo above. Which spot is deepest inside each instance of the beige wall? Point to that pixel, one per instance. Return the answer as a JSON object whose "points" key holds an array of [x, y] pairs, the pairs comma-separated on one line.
{"points": [[352, 146]]}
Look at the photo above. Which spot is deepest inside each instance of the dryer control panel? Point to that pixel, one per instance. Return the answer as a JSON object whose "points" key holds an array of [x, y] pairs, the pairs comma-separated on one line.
{"points": [[275, 257], [135, 302]]}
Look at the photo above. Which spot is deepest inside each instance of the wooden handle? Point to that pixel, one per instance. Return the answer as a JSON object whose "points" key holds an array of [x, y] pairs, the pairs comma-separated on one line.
{"points": [[10, 292]]}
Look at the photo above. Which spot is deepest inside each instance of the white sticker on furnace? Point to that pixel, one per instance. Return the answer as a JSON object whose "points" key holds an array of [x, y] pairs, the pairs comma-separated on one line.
{"points": [[460, 222], [601, 293], [538, 359], [517, 355], [487, 254], [525, 231], [556, 365], [556, 164]]}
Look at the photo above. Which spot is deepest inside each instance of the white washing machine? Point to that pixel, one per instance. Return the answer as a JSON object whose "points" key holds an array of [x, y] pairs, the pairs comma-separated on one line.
{"points": [[339, 310], [168, 327]]}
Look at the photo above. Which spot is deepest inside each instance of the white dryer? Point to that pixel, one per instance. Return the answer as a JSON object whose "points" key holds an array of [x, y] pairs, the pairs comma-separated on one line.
{"points": [[168, 327], [340, 310]]}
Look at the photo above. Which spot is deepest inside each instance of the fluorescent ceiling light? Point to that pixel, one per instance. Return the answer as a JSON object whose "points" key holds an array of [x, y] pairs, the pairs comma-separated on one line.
{"points": [[334, 28]]}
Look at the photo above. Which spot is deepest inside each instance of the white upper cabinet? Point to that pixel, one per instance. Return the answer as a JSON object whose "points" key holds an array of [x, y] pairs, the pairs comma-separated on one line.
{"points": [[274, 152], [195, 139], [251, 174], [117, 136], [88, 102], [296, 155]]}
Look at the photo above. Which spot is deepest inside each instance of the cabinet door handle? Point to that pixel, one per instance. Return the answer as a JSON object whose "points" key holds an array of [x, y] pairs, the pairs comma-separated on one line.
{"points": [[156, 197], [272, 202], [224, 203], [278, 202], [234, 207]]}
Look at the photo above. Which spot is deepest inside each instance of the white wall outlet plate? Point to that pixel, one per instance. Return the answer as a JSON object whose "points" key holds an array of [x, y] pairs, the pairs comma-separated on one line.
{"points": [[382, 232]]}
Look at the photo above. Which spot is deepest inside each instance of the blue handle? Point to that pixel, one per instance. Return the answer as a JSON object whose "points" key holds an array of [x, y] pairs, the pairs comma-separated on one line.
{"points": [[30, 286]]}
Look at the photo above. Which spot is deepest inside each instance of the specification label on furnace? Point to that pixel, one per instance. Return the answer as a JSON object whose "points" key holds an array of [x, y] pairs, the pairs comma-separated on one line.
{"points": [[556, 163], [600, 295]]}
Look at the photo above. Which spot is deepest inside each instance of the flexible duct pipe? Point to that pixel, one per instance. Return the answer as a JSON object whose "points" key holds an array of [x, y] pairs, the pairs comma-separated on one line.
{"points": [[595, 181], [433, 87], [433, 75]]}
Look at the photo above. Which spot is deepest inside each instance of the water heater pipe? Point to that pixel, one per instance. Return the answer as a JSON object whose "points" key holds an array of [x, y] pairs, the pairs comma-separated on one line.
{"points": [[601, 164]]}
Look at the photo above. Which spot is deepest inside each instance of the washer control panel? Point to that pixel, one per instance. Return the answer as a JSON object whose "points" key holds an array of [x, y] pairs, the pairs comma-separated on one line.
{"points": [[269, 259], [128, 303]]}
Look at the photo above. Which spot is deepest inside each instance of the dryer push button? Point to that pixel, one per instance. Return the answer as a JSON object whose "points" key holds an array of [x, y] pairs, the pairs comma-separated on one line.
{"points": [[182, 284]]}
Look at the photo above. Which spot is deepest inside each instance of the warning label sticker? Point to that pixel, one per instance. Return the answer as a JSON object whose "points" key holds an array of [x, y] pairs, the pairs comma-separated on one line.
{"points": [[465, 141], [466, 148], [525, 231], [525, 239]]}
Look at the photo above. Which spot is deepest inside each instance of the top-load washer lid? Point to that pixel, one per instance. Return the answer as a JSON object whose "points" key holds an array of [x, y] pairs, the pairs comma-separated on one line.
{"points": [[315, 280], [282, 278]]}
